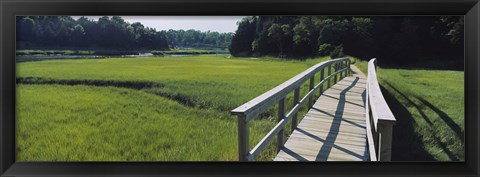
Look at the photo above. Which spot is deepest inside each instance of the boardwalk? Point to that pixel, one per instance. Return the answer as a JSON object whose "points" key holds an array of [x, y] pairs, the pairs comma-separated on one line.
{"points": [[334, 129], [350, 121]]}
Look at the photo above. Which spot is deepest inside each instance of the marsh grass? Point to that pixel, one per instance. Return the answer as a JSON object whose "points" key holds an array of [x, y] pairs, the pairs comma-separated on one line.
{"points": [[143, 109]]}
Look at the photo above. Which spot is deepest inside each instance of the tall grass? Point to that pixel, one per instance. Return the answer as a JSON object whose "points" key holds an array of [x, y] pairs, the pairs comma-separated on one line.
{"points": [[137, 109], [64, 123]]}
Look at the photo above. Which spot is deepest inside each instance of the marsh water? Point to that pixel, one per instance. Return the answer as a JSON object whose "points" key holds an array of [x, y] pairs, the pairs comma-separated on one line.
{"points": [[27, 58]]}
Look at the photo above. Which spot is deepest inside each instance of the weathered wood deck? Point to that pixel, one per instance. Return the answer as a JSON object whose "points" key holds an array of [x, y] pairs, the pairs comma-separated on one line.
{"points": [[334, 129]]}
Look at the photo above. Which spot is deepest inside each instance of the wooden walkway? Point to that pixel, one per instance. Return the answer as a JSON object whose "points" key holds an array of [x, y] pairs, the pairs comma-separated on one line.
{"points": [[334, 129]]}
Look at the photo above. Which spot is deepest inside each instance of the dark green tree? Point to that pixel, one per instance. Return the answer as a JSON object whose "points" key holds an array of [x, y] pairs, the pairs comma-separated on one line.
{"points": [[243, 38]]}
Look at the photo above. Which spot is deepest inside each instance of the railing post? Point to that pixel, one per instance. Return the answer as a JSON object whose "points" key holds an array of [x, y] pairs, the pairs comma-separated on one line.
{"points": [[296, 100], [243, 146], [281, 115], [348, 67], [329, 72], [385, 141], [311, 86], [335, 70], [321, 79], [339, 68]]}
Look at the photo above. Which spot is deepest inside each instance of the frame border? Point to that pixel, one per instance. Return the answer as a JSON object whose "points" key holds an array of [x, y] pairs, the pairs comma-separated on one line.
{"points": [[9, 9]]}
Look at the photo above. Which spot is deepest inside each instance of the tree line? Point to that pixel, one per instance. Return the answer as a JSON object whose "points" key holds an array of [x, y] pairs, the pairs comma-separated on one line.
{"points": [[197, 39], [396, 40], [106, 33], [52, 32]]}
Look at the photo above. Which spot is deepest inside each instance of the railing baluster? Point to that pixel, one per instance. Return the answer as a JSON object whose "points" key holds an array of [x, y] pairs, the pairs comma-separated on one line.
{"points": [[335, 69], [243, 146], [296, 100], [329, 72], [281, 115], [339, 68], [312, 85], [348, 68], [321, 78]]}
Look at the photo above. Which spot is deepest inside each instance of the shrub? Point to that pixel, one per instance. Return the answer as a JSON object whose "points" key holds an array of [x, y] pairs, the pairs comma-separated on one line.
{"points": [[325, 49], [337, 52]]}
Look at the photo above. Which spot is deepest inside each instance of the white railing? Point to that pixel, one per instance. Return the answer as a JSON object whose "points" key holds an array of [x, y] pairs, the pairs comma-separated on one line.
{"points": [[379, 117]]}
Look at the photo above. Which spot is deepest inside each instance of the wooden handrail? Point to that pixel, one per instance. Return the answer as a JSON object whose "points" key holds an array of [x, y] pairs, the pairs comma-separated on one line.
{"points": [[260, 104], [379, 117]]}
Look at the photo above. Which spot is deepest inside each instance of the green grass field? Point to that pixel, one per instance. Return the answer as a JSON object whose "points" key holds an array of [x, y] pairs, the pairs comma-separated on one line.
{"points": [[429, 108], [177, 108], [142, 109]]}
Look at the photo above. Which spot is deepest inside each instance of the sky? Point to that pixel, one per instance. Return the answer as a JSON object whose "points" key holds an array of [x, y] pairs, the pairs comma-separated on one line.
{"points": [[203, 23]]}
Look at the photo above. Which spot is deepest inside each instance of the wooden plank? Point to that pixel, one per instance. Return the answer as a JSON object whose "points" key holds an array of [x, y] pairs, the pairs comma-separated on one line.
{"points": [[326, 122], [337, 96], [333, 126], [314, 137], [301, 157], [336, 113], [336, 110], [304, 156], [306, 145], [339, 129], [326, 119], [348, 99], [346, 104], [346, 130], [331, 100], [340, 154], [352, 91], [329, 115], [320, 132]]}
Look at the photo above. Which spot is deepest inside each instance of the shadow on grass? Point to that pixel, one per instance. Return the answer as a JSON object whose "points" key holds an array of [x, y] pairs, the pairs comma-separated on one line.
{"points": [[148, 87], [407, 144], [426, 65], [447, 119], [113, 83]]}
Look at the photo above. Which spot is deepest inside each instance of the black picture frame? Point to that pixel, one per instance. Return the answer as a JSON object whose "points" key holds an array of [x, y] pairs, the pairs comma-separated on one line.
{"points": [[9, 9]]}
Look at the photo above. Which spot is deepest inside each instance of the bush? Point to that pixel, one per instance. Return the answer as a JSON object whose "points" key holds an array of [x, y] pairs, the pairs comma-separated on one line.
{"points": [[325, 49], [337, 52]]}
